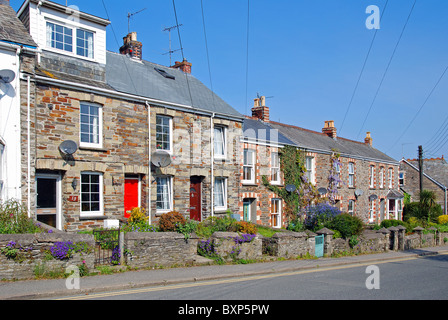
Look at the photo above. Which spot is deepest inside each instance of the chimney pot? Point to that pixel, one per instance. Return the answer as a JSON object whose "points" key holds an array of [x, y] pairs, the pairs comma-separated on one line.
{"points": [[259, 110], [329, 129], [184, 66], [368, 139], [131, 46]]}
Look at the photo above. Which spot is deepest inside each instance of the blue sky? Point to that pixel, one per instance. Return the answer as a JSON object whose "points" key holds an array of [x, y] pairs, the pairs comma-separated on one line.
{"points": [[307, 56]]}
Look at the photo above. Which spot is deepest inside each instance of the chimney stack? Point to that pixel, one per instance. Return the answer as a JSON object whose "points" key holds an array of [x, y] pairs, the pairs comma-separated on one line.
{"points": [[131, 46], [184, 66], [329, 129], [260, 110], [368, 139]]}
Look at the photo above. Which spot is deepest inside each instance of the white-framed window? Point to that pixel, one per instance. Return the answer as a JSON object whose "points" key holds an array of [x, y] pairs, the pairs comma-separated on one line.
{"points": [[382, 177], [400, 209], [164, 200], [164, 130], [219, 142], [220, 193], [84, 43], [309, 165], [351, 174], [351, 207], [276, 213], [371, 210], [79, 42], [249, 166], [275, 168], [59, 37], [337, 169], [91, 193], [91, 125], [389, 176], [372, 177], [401, 178]]}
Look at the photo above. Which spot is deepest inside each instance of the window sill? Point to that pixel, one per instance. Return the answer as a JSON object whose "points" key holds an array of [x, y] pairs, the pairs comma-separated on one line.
{"points": [[249, 184], [99, 149], [86, 216]]}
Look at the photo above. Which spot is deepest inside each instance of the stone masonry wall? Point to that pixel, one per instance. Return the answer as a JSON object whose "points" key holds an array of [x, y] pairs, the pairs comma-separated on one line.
{"points": [[33, 254]]}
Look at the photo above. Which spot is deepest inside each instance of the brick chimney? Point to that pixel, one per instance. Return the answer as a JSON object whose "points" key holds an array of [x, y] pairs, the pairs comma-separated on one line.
{"points": [[260, 110], [131, 46], [185, 66], [329, 129], [368, 139]]}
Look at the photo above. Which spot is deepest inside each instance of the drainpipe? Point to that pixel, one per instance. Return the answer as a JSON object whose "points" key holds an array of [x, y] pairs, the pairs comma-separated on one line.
{"points": [[445, 202], [212, 155], [148, 178], [28, 145]]}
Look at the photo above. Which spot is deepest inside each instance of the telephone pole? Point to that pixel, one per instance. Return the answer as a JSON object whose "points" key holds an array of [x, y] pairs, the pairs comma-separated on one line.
{"points": [[420, 166]]}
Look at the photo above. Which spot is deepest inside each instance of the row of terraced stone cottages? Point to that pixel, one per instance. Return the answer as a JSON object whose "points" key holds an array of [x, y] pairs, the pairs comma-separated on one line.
{"points": [[103, 132]]}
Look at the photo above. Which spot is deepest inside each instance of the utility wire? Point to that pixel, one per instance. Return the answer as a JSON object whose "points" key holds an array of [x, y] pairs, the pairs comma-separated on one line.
{"points": [[420, 109], [206, 49], [362, 71], [182, 51], [247, 53], [387, 68], [440, 132]]}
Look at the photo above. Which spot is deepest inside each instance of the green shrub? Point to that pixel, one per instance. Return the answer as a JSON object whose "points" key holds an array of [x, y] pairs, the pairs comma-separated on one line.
{"points": [[347, 225], [395, 223], [246, 227], [14, 218], [168, 221]]}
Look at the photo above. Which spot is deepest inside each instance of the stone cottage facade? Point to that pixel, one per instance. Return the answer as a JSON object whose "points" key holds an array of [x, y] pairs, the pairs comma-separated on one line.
{"points": [[365, 179], [260, 146], [109, 131], [435, 178]]}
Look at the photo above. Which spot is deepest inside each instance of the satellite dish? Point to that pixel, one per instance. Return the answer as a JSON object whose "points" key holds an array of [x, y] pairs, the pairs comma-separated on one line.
{"points": [[358, 192], [322, 190], [7, 76], [290, 187], [373, 197], [68, 147], [161, 159]]}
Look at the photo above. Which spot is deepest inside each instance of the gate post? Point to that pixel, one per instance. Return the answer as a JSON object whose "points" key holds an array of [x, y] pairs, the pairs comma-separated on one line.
{"points": [[121, 246], [328, 240]]}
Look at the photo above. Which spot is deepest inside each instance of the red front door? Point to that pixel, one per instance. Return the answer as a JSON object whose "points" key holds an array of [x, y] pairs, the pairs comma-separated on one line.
{"points": [[131, 195], [195, 198]]}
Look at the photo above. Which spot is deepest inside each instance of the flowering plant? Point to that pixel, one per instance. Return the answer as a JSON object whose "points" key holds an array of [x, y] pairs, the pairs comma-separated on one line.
{"points": [[15, 251]]}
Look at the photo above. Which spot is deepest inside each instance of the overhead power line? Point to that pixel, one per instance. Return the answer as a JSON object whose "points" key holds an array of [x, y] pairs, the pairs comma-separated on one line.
{"points": [[387, 68], [362, 71], [420, 109]]}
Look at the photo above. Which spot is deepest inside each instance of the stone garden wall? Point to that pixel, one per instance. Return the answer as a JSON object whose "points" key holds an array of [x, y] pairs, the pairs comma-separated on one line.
{"points": [[27, 255], [157, 249]]}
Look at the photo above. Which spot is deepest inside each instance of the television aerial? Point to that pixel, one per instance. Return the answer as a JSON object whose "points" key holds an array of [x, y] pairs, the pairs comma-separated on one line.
{"points": [[161, 159]]}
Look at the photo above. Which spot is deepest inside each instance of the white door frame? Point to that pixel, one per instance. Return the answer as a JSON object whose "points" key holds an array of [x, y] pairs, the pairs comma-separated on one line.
{"points": [[57, 177]]}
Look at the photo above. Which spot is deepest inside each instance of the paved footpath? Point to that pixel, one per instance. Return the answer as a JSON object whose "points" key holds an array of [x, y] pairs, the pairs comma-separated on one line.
{"points": [[45, 289]]}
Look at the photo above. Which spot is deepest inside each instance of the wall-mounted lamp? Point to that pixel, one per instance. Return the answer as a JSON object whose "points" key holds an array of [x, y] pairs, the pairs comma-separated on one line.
{"points": [[74, 183]]}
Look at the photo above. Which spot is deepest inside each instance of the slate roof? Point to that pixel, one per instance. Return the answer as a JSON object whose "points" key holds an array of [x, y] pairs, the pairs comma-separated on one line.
{"points": [[140, 78], [319, 142], [254, 129], [12, 29], [434, 169]]}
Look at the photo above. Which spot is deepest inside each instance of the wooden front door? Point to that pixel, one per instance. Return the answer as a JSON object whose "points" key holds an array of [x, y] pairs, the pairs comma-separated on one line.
{"points": [[195, 198], [131, 195]]}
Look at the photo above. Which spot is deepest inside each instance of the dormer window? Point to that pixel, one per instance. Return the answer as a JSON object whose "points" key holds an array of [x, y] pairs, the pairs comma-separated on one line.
{"points": [[61, 37]]}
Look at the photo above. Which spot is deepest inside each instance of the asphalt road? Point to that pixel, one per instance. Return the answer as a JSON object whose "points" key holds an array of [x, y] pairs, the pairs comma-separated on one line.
{"points": [[411, 279]]}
